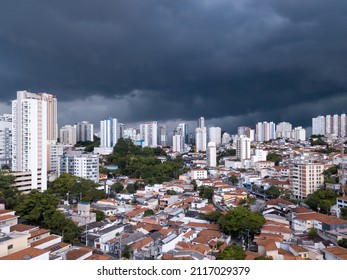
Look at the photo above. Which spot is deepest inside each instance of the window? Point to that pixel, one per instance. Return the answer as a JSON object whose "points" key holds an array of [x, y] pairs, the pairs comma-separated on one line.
{"points": [[9, 247]]}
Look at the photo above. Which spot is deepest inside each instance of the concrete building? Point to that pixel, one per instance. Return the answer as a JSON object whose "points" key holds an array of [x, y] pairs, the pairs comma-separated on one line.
{"points": [[84, 131], [284, 130], [55, 151], [33, 128], [149, 134], [318, 125], [81, 165], [200, 139], [163, 136], [68, 135], [109, 132], [306, 178], [298, 134], [243, 147], [265, 131], [215, 135], [177, 141], [5, 140], [226, 138], [184, 132], [211, 155]]}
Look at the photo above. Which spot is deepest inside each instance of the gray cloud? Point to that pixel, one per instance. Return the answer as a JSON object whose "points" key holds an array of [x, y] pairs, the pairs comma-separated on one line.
{"points": [[230, 61]]}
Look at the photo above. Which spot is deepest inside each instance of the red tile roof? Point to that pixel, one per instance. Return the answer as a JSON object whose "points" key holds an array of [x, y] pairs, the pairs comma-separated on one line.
{"points": [[26, 254]]}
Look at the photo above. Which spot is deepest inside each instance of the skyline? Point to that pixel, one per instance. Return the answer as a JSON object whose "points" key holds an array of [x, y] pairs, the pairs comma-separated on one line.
{"points": [[233, 63]]}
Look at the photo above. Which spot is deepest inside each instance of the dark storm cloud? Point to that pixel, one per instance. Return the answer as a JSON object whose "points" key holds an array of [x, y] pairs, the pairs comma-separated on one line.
{"points": [[163, 60]]}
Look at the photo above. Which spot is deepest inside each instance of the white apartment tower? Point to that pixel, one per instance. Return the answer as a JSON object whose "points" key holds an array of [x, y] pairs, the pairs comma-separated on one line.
{"points": [[211, 155], [265, 131], [325, 125], [5, 140], [33, 129], [177, 141], [149, 134], [243, 147], [200, 139], [109, 132], [84, 131], [284, 130], [163, 136], [318, 125], [68, 135], [215, 135]]}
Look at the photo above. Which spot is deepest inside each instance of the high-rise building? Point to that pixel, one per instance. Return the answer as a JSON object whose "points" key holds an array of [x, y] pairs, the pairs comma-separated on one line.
{"points": [[68, 135], [184, 132], [55, 151], [306, 178], [177, 141], [163, 136], [201, 122], [328, 124], [284, 130], [265, 131], [215, 135], [5, 140], [121, 128], [200, 139], [298, 134], [84, 131], [52, 117], [211, 154], [318, 125], [149, 134], [109, 132], [226, 138], [33, 129], [243, 147], [130, 133], [343, 125]]}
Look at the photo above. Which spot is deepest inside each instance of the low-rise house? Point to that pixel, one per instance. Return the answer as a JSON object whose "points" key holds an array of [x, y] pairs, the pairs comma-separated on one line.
{"points": [[300, 251], [28, 254], [79, 253], [335, 253]]}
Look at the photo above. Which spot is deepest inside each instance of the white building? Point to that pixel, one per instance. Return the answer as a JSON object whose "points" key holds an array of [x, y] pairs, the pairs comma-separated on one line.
{"points": [[177, 141], [5, 140], [109, 132], [215, 135], [284, 130], [200, 139], [81, 165], [265, 131], [243, 147], [318, 125], [130, 133], [33, 119], [55, 151], [84, 131], [226, 138], [149, 134], [68, 135], [298, 134], [211, 155], [163, 138]]}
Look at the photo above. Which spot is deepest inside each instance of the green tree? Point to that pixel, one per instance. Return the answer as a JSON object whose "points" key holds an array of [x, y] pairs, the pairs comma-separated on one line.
{"points": [[273, 192], [322, 199], [171, 192], [344, 213], [276, 158], [127, 252], [232, 252], [8, 193], [100, 216], [148, 212], [117, 187], [206, 192], [241, 222], [213, 216], [263, 258], [342, 242], [312, 233], [36, 205], [131, 188], [233, 179]]}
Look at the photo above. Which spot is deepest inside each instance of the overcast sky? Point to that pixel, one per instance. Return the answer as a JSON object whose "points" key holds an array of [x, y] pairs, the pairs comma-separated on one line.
{"points": [[234, 62]]}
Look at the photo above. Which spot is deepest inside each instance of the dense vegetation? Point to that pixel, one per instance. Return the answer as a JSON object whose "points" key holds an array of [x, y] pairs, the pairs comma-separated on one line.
{"points": [[322, 200], [137, 162]]}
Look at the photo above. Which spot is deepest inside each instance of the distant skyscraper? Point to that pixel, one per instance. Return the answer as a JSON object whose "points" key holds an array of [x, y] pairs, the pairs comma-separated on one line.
{"points": [[6, 140], [283, 130], [226, 138], [109, 132], [163, 136], [184, 133], [33, 129], [265, 131], [215, 135], [52, 117], [298, 134], [211, 154], [68, 135], [84, 131], [201, 139], [318, 125], [149, 134], [201, 122]]}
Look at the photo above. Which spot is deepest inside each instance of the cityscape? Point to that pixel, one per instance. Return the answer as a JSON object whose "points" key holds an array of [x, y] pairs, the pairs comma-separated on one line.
{"points": [[173, 130], [198, 193]]}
